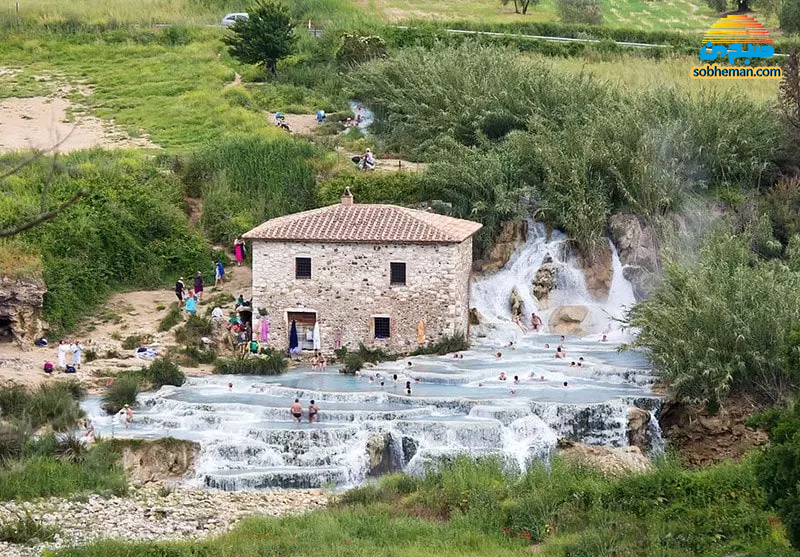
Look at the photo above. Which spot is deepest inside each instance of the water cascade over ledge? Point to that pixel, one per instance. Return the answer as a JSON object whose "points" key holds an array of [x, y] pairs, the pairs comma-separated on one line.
{"points": [[458, 405]]}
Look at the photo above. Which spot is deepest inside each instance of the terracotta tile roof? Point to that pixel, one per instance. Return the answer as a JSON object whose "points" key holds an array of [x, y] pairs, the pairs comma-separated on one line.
{"points": [[366, 224]]}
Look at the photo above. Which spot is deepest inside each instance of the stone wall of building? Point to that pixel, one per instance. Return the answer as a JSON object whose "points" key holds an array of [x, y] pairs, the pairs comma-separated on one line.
{"points": [[350, 285]]}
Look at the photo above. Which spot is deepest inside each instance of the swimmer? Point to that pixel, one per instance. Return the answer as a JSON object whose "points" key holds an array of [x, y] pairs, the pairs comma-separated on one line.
{"points": [[455, 356], [516, 379], [604, 339], [394, 378], [230, 387], [580, 364], [416, 380], [547, 346], [541, 378], [409, 364], [408, 388], [572, 364], [371, 379], [381, 384], [502, 376], [560, 354], [358, 374], [461, 356], [565, 383], [563, 339], [480, 384], [513, 391], [498, 356]]}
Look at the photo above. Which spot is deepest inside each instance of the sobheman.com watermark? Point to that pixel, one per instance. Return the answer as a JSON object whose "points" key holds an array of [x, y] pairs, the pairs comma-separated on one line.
{"points": [[732, 37]]}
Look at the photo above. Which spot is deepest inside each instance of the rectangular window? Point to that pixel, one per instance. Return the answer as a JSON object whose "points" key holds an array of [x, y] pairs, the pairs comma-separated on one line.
{"points": [[382, 328], [398, 272], [302, 267]]}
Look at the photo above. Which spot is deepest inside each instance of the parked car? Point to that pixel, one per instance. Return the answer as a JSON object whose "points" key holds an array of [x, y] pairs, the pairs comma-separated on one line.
{"points": [[230, 19]]}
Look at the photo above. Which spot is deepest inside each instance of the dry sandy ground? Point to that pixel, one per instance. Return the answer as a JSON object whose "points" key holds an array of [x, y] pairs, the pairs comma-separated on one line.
{"points": [[39, 123], [130, 313]]}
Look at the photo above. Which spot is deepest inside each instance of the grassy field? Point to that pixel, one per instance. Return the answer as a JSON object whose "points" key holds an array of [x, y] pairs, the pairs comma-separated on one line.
{"points": [[689, 15], [640, 74], [682, 15]]}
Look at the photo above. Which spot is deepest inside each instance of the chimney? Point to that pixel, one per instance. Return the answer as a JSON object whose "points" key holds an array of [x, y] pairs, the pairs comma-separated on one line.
{"points": [[347, 197]]}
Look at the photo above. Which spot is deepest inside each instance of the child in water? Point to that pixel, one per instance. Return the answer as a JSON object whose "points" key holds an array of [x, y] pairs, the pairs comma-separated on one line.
{"points": [[408, 388]]}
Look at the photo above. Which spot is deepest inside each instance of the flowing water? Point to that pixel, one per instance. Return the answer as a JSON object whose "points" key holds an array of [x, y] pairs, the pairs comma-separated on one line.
{"points": [[457, 406]]}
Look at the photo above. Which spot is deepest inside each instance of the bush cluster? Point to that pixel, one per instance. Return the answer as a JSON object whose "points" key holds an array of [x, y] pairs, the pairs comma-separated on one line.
{"points": [[719, 325], [586, 12], [270, 363], [508, 136], [128, 231], [247, 180]]}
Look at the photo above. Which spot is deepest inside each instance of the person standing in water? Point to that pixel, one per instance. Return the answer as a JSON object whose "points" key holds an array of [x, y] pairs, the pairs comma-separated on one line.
{"points": [[536, 323], [408, 388], [296, 410], [313, 410]]}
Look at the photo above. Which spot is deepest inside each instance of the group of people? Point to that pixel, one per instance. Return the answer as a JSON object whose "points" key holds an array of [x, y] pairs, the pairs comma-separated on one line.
{"points": [[536, 324], [296, 411], [395, 379], [69, 355]]}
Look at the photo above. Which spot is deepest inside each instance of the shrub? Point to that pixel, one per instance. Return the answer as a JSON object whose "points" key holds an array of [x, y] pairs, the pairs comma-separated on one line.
{"points": [[580, 11], [446, 345], [355, 49], [162, 371], [194, 330], [711, 333], [26, 530], [134, 341], [264, 38], [128, 231], [193, 355], [245, 181], [776, 467], [402, 188], [172, 318], [790, 16], [352, 363], [271, 363], [123, 390], [71, 448]]}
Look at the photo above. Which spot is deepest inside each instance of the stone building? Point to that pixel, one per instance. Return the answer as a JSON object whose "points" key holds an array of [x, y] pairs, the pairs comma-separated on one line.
{"points": [[372, 272]]}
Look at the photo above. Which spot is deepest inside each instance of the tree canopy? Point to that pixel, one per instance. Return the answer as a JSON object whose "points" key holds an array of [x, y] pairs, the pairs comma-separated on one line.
{"points": [[264, 38]]}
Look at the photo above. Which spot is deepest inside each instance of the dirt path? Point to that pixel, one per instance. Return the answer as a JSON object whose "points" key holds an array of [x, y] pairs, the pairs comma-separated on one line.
{"points": [[123, 315], [45, 123]]}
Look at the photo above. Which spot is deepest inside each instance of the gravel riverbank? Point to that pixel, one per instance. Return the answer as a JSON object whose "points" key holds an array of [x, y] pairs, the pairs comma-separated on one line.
{"points": [[151, 513]]}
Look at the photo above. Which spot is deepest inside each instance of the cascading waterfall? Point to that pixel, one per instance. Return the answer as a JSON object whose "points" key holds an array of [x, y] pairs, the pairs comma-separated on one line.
{"points": [[459, 405]]}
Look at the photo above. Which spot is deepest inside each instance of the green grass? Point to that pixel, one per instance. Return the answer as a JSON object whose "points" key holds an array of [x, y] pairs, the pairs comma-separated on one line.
{"points": [[51, 403], [44, 476], [683, 15], [478, 510], [25, 529]]}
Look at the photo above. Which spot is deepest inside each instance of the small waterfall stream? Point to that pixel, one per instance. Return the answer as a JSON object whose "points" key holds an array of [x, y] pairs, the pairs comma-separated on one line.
{"points": [[458, 406]]}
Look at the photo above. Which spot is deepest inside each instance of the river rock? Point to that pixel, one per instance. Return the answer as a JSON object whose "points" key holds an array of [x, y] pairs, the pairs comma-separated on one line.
{"points": [[153, 512], [379, 450], [512, 234], [475, 316], [21, 302], [598, 272], [515, 302], [158, 460], [568, 320], [637, 246], [638, 428], [410, 447], [611, 461], [545, 280]]}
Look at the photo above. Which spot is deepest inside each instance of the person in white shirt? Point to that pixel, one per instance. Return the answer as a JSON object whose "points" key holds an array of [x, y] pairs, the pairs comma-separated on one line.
{"points": [[77, 350], [63, 349]]}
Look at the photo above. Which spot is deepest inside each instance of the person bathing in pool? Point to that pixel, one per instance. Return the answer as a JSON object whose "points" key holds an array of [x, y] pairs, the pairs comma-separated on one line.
{"points": [[297, 411]]}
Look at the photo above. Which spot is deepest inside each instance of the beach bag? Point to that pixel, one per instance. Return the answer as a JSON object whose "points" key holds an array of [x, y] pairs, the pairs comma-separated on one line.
{"points": [[48, 367], [70, 369]]}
